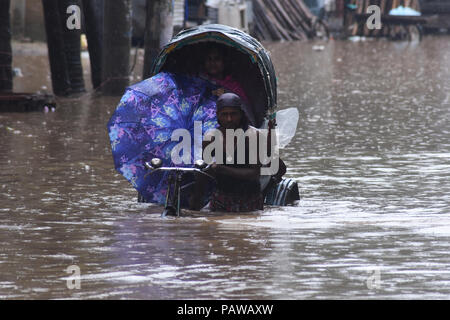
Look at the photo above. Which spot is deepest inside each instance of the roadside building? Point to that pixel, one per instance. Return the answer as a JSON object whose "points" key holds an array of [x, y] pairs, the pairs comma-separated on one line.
{"points": [[27, 20], [233, 13], [27, 16]]}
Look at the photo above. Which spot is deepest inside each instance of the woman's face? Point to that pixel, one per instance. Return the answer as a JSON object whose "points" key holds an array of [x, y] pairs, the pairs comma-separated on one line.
{"points": [[214, 64]]}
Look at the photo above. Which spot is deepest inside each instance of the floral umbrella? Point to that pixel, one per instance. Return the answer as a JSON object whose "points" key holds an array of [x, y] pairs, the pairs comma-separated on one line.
{"points": [[142, 125]]}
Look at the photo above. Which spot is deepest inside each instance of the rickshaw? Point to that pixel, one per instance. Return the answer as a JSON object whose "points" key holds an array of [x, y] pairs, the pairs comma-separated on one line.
{"points": [[399, 27], [251, 65]]}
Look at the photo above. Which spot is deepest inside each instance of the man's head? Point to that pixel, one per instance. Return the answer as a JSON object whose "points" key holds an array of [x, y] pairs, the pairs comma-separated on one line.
{"points": [[229, 112]]}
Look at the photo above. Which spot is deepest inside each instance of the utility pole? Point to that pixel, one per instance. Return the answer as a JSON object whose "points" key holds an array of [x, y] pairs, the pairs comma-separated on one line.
{"points": [[93, 13], [55, 43], [72, 45], [158, 30], [64, 48], [116, 46], [6, 82]]}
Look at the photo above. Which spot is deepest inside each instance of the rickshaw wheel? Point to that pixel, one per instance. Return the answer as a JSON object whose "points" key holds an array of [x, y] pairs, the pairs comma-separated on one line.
{"points": [[398, 32], [168, 212], [351, 29], [320, 30], [414, 33]]}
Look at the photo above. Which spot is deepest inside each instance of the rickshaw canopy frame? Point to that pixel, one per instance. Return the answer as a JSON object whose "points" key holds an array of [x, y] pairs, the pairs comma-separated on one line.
{"points": [[231, 37]]}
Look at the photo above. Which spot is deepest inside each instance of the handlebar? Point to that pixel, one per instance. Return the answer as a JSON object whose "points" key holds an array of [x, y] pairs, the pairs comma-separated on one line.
{"points": [[153, 169]]}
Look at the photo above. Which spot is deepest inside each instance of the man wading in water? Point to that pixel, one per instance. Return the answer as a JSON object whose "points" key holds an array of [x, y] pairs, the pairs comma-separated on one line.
{"points": [[238, 183]]}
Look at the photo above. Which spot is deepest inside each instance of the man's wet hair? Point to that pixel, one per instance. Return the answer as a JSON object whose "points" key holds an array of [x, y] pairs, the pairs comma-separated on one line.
{"points": [[232, 100]]}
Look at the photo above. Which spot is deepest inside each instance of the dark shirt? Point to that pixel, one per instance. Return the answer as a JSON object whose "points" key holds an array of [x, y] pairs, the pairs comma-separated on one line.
{"points": [[233, 194], [232, 185], [235, 186]]}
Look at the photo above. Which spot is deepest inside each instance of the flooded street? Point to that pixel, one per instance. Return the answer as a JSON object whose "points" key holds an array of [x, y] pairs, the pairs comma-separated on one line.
{"points": [[371, 156]]}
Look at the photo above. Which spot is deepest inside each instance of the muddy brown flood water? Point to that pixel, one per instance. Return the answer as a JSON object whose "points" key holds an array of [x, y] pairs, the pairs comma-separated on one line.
{"points": [[371, 155]]}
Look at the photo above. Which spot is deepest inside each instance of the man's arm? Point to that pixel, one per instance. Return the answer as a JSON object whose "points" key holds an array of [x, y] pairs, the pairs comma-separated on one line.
{"points": [[251, 173]]}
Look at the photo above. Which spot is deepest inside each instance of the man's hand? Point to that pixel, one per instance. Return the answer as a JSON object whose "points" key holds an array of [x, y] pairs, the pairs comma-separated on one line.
{"points": [[199, 187], [212, 170]]}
